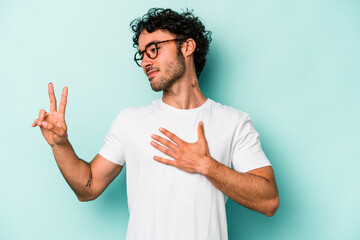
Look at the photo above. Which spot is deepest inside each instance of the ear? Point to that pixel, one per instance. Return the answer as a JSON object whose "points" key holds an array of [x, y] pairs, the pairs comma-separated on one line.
{"points": [[188, 47]]}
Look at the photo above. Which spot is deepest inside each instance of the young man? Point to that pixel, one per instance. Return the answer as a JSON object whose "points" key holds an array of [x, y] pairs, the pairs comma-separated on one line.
{"points": [[179, 150]]}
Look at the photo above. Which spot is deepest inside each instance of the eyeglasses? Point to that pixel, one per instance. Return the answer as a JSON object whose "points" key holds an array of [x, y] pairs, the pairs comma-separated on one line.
{"points": [[151, 50]]}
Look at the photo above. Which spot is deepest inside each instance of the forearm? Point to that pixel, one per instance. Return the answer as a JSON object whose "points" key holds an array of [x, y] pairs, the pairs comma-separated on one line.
{"points": [[251, 191], [76, 172]]}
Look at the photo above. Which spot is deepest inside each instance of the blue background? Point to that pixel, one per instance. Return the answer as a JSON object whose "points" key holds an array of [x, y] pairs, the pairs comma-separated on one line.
{"points": [[294, 66]]}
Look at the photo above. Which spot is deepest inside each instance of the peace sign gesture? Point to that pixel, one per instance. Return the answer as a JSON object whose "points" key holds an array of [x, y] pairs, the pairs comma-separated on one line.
{"points": [[52, 125]]}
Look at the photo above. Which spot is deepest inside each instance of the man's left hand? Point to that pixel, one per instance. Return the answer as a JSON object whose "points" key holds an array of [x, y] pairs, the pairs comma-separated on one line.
{"points": [[189, 157]]}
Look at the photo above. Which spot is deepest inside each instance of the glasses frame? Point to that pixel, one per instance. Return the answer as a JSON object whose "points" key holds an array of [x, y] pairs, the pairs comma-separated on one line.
{"points": [[142, 53]]}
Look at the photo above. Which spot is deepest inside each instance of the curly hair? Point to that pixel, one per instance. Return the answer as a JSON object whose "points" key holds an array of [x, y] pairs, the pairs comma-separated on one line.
{"points": [[182, 25]]}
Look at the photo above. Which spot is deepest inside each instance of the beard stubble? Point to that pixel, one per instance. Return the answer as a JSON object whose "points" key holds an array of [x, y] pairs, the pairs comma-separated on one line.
{"points": [[172, 73]]}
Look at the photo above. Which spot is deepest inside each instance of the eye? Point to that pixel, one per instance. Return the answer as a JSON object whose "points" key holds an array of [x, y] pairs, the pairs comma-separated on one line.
{"points": [[152, 49]]}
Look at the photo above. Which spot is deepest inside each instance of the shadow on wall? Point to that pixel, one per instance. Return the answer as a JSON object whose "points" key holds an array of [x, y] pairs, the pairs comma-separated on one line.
{"points": [[208, 77], [252, 225], [243, 222], [113, 200], [219, 79]]}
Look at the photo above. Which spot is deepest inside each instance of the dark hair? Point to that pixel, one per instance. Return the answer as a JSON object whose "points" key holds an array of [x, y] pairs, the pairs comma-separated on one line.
{"points": [[183, 25]]}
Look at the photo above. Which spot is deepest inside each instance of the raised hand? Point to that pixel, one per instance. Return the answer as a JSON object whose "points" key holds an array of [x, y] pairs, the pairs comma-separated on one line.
{"points": [[189, 157], [52, 124]]}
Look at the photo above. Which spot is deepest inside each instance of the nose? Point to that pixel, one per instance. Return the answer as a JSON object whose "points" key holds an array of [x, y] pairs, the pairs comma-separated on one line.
{"points": [[146, 62]]}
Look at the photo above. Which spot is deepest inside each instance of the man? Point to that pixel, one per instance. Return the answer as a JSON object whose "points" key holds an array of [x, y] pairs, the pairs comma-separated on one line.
{"points": [[179, 150]]}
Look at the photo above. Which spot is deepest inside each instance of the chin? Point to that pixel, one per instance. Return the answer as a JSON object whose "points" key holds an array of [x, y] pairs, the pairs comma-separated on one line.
{"points": [[156, 88]]}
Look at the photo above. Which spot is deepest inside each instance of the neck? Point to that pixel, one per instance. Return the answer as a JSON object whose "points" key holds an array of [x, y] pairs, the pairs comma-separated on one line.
{"points": [[185, 93]]}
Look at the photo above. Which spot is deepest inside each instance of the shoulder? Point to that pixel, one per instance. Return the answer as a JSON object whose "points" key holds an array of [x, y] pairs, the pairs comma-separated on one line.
{"points": [[138, 112], [228, 112], [141, 109]]}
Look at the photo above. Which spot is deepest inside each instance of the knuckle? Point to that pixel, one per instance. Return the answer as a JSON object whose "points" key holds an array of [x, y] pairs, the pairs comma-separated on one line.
{"points": [[182, 146], [184, 151]]}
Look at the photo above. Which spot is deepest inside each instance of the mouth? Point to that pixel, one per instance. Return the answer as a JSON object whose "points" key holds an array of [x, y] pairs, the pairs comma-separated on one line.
{"points": [[151, 73]]}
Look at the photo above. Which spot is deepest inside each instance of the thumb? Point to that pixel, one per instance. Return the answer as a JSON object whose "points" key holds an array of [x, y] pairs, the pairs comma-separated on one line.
{"points": [[200, 131]]}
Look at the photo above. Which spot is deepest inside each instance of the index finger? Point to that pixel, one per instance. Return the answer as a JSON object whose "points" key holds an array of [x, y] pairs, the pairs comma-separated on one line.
{"points": [[52, 97], [170, 135], [63, 101]]}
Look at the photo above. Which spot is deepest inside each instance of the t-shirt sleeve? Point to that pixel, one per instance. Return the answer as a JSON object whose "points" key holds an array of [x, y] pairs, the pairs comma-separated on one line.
{"points": [[113, 149], [247, 152]]}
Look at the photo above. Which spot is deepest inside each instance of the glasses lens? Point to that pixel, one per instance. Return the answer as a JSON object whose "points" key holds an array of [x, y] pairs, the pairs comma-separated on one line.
{"points": [[138, 59], [151, 51]]}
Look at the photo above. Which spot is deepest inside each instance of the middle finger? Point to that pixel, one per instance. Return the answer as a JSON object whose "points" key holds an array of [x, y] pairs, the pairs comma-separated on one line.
{"points": [[164, 141], [52, 98], [163, 149]]}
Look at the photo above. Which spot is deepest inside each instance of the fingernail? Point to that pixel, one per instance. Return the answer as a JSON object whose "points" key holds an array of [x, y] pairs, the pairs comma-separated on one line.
{"points": [[161, 129], [201, 123]]}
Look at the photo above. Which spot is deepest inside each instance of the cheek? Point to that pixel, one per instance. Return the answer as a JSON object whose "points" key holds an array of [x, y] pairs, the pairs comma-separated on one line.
{"points": [[168, 67]]}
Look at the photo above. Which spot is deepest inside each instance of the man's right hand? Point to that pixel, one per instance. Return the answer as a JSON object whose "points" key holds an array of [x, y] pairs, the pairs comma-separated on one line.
{"points": [[52, 124], [88, 181]]}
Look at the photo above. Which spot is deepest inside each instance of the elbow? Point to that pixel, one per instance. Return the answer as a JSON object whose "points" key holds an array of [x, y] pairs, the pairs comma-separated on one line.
{"points": [[272, 207], [83, 199], [86, 198]]}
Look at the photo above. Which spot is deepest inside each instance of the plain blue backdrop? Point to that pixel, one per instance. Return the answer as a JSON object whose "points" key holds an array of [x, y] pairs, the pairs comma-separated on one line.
{"points": [[294, 66]]}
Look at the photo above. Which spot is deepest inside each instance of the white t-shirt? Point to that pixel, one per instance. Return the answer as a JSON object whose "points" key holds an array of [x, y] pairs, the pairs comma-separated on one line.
{"points": [[166, 203]]}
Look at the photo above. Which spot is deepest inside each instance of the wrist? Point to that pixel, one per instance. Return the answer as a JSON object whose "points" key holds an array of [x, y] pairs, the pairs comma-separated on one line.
{"points": [[59, 146], [209, 165]]}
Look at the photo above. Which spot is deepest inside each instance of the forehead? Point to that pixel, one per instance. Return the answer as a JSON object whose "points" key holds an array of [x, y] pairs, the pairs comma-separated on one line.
{"points": [[156, 36]]}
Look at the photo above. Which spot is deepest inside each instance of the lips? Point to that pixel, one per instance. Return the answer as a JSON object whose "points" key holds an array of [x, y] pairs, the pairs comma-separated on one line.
{"points": [[151, 73]]}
